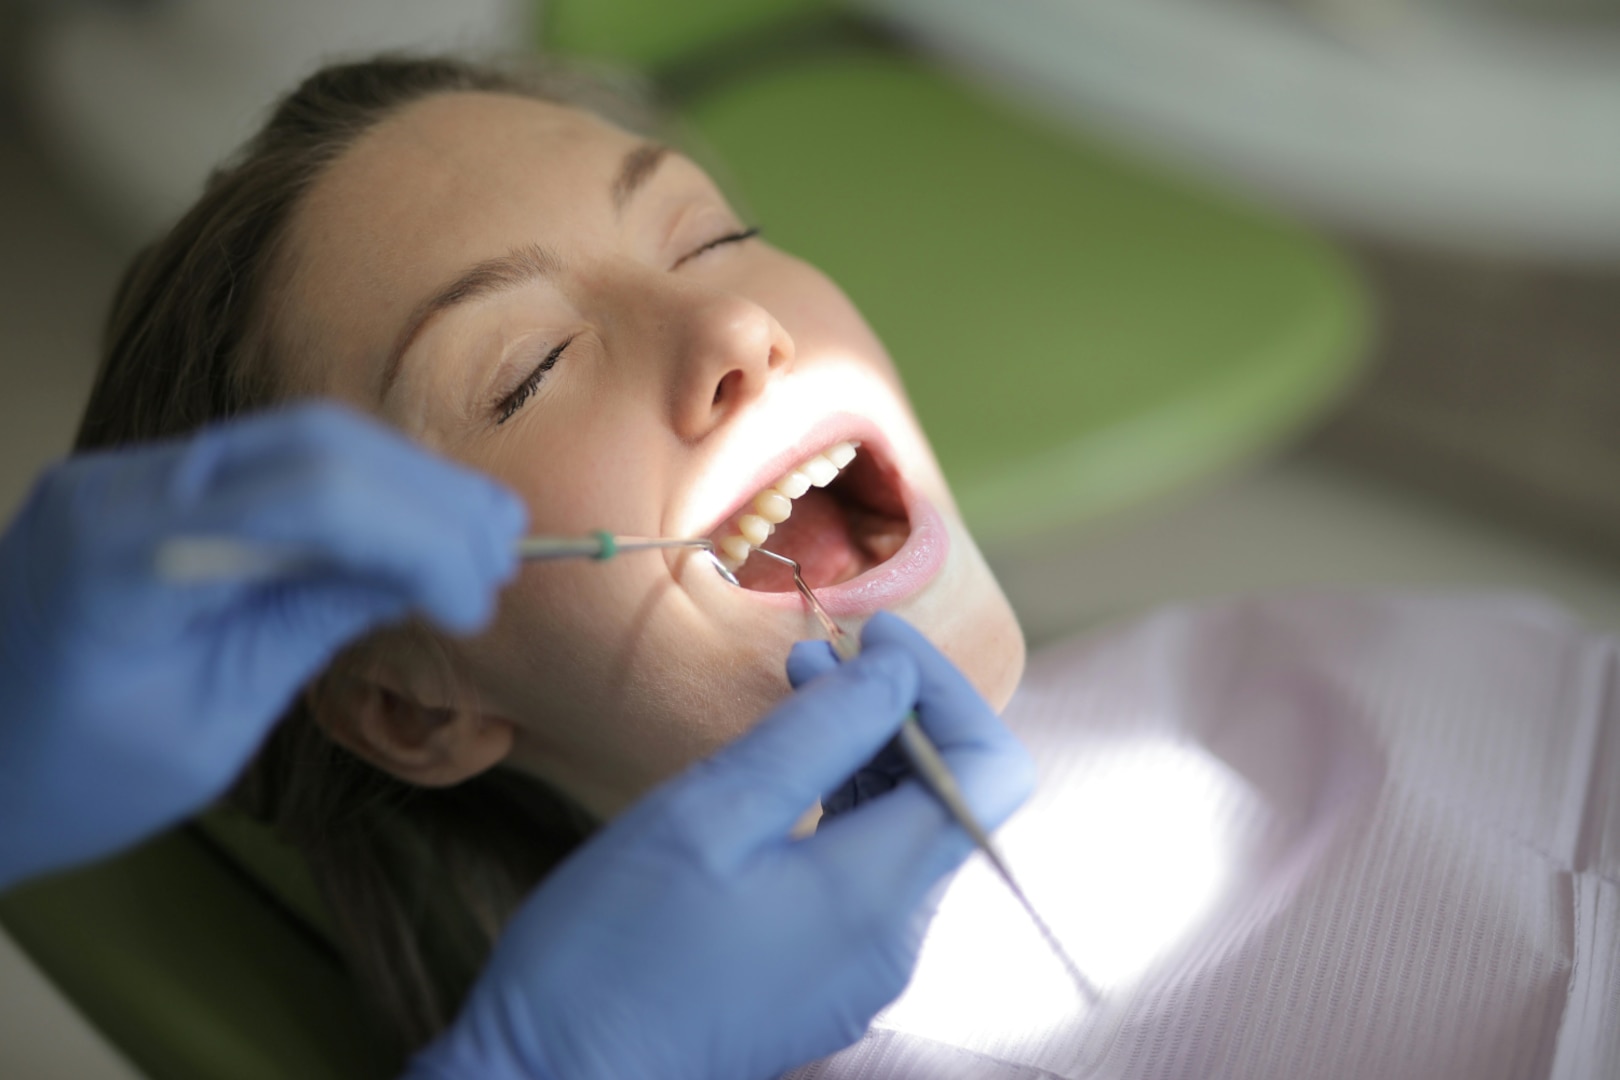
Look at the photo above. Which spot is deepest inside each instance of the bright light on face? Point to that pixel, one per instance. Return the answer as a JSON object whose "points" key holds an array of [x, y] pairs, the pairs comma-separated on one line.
{"points": [[836, 384], [1126, 854]]}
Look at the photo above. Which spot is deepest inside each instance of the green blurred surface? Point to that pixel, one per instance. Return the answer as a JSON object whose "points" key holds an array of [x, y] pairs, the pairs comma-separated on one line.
{"points": [[191, 971], [256, 851], [1076, 332], [653, 33]]}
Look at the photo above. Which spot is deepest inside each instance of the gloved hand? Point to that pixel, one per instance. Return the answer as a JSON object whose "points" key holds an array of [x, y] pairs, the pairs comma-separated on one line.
{"points": [[693, 938], [127, 702]]}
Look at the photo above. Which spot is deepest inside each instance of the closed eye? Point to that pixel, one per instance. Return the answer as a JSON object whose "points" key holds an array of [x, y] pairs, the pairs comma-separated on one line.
{"points": [[508, 405], [729, 238]]}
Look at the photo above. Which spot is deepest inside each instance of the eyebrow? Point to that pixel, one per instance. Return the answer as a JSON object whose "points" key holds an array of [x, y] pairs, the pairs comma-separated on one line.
{"points": [[635, 170], [503, 273], [516, 268]]}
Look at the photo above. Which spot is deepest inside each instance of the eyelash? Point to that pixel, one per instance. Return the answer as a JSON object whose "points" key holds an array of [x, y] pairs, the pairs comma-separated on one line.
{"points": [[508, 406], [729, 238], [511, 403]]}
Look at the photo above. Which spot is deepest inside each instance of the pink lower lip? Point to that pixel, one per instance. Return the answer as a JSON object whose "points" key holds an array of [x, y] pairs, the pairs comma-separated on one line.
{"points": [[903, 575]]}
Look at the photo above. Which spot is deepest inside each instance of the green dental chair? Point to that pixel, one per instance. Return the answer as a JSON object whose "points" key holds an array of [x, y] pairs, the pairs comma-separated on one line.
{"points": [[1077, 333]]}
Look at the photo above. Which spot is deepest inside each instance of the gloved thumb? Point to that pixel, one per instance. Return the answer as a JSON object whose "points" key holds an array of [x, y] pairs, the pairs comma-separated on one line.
{"points": [[808, 660], [294, 629]]}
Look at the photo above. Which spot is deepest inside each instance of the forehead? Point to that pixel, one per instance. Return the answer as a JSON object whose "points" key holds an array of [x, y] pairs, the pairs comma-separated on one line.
{"points": [[442, 183], [457, 150]]}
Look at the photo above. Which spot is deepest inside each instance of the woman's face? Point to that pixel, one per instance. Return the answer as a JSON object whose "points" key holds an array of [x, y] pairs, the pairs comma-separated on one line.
{"points": [[579, 313]]}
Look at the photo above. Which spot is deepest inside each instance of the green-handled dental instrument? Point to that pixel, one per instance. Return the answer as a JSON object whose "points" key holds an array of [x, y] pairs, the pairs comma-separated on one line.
{"points": [[224, 558]]}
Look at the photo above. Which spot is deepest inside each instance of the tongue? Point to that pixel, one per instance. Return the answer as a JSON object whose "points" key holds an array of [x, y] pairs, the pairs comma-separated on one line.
{"points": [[817, 536]]}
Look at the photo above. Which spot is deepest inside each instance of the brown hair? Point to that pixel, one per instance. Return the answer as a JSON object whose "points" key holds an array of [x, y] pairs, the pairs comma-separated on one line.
{"points": [[418, 881]]}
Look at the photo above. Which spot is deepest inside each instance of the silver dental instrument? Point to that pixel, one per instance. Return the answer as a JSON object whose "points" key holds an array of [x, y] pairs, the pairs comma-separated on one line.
{"points": [[936, 777], [196, 559], [604, 545]]}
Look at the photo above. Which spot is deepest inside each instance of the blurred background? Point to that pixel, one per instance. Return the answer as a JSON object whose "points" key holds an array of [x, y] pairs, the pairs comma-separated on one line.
{"points": [[1247, 294]]}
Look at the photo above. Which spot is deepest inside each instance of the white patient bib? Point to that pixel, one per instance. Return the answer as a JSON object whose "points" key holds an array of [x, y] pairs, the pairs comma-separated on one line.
{"points": [[1327, 835]]}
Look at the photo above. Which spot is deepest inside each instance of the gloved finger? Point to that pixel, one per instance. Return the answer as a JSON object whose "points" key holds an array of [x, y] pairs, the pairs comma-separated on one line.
{"points": [[307, 528], [952, 713], [311, 439], [995, 775], [949, 706], [881, 861], [234, 452], [296, 629], [400, 517], [808, 659], [268, 661], [876, 778], [754, 790]]}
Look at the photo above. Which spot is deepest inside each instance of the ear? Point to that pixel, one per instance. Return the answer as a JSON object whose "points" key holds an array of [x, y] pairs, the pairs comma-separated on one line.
{"points": [[430, 746]]}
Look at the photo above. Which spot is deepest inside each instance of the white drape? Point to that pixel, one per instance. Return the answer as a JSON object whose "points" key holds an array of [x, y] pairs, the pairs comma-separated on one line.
{"points": [[1299, 837]]}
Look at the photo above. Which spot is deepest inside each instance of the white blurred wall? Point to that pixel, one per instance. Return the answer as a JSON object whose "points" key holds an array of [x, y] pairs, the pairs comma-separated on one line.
{"points": [[1482, 125], [138, 100]]}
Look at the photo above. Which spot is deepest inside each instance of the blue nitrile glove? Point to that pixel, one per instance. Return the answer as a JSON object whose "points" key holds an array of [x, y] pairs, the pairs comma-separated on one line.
{"points": [[127, 702], [694, 939]]}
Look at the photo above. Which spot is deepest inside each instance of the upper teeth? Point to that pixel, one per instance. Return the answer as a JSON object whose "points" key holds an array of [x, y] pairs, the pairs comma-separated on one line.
{"points": [[773, 505]]}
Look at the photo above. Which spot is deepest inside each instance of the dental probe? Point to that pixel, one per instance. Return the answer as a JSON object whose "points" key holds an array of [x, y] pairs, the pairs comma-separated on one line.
{"points": [[196, 559], [936, 777], [604, 545]]}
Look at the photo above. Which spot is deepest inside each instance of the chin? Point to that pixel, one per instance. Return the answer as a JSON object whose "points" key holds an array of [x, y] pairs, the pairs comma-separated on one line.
{"points": [[973, 623]]}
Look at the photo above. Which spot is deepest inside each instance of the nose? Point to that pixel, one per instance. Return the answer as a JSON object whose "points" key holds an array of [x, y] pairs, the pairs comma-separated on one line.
{"points": [[728, 349]]}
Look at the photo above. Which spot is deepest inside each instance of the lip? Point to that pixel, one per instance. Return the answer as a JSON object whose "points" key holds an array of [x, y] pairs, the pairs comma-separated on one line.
{"points": [[906, 573], [903, 574]]}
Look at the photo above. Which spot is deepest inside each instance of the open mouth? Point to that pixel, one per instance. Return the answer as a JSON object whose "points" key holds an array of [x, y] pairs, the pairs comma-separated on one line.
{"points": [[838, 515]]}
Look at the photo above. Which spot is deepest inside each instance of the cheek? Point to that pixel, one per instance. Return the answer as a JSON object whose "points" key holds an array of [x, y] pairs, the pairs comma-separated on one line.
{"points": [[616, 680], [580, 462], [990, 646], [820, 318]]}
